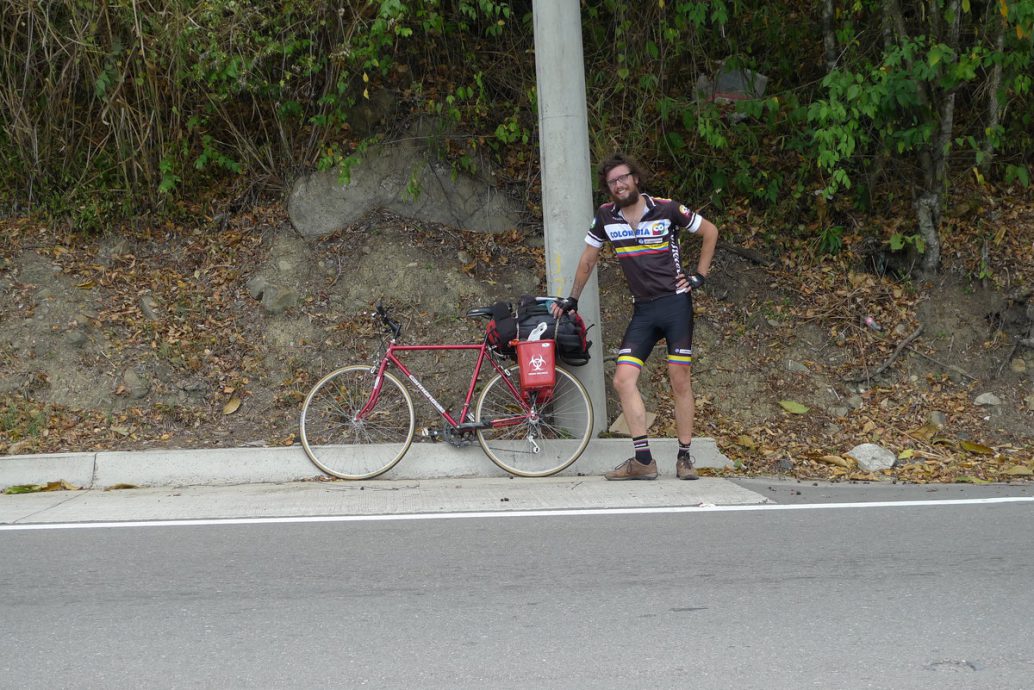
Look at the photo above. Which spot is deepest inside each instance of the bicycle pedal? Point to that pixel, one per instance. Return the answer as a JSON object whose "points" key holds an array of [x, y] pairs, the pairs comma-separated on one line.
{"points": [[428, 432]]}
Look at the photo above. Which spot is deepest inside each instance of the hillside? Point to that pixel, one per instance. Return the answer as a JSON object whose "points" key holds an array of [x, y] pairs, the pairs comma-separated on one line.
{"points": [[210, 337]]}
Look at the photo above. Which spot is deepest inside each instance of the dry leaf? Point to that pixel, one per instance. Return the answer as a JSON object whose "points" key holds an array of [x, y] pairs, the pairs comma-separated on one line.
{"points": [[793, 407], [232, 405], [925, 432], [976, 448], [835, 460], [61, 485]]}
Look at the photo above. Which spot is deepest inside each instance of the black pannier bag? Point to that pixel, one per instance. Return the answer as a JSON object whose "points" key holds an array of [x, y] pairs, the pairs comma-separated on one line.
{"points": [[502, 329], [571, 343]]}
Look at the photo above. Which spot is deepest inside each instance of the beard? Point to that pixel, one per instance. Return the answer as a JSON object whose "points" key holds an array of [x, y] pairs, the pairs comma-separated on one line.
{"points": [[630, 199]]}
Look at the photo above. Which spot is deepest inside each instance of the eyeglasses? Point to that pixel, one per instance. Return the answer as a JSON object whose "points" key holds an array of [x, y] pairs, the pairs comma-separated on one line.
{"points": [[620, 179]]}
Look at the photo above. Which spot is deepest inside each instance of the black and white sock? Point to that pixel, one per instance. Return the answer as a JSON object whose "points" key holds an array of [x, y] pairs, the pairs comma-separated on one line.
{"points": [[642, 449]]}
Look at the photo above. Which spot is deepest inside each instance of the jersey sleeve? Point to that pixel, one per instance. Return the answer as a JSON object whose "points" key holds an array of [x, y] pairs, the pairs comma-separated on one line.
{"points": [[596, 235], [687, 219]]}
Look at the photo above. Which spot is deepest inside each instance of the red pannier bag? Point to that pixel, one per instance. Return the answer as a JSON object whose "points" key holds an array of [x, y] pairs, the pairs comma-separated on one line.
{"points": [[536, 360]]}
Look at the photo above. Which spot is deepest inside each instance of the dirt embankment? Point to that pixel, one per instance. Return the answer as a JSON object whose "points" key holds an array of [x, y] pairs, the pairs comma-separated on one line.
{"points": [[211, 337]]}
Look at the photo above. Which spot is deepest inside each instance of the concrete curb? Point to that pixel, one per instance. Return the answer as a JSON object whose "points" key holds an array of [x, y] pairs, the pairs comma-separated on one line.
{"points": [[227, 466]]}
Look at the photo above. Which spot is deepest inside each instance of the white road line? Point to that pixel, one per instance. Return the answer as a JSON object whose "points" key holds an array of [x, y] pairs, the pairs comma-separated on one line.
{"points": [[704, 508]]}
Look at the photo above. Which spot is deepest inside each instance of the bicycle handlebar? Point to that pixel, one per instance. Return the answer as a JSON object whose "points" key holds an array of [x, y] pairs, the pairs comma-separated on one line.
{"points": [[393, 326]]}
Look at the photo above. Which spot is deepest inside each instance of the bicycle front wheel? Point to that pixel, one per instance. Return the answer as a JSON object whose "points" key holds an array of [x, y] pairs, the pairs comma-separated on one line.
{"points": [[347, 444], [538, 438]]}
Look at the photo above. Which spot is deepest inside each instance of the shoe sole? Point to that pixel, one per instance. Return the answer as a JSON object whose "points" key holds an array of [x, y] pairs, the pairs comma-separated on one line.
{"points": [[625, 479], [693, 477]]}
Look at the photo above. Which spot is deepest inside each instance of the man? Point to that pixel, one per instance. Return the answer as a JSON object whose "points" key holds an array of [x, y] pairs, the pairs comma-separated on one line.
{"points": [[645, 234]]}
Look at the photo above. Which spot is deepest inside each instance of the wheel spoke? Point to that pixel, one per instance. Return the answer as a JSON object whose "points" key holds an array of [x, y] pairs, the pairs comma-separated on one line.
{"points": [[343, 445], [548, 439]]}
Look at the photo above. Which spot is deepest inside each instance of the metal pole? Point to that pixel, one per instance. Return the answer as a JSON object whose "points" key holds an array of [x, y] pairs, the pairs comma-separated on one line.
{"points": [[567, 206]]}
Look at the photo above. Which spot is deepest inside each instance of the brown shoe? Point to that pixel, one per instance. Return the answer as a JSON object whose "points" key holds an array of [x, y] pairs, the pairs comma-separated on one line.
{"points": [[633, 469], [684, 468]]}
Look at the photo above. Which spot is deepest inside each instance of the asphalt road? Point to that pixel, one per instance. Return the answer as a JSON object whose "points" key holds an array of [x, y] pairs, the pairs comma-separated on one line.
{"points": [[935, 596]]}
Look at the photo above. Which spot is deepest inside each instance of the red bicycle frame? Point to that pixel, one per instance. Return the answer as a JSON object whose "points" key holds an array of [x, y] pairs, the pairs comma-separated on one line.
{"points": [[390, 357]]}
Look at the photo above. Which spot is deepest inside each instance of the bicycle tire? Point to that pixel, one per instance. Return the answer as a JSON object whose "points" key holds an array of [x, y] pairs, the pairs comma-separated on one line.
{"points": [[545, 444], [347, 448]]}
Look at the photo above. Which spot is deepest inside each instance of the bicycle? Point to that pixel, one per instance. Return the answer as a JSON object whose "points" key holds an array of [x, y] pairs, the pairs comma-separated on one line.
{"points": [[358, 421]]}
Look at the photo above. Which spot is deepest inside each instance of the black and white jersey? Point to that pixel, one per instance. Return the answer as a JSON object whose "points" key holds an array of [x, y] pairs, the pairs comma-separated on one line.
{"points": [[649, 254]]}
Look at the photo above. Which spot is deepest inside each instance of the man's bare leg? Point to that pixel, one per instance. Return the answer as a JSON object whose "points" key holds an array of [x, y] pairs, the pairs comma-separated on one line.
{"points": [[642, 466], [626, 383], [685, 407]]}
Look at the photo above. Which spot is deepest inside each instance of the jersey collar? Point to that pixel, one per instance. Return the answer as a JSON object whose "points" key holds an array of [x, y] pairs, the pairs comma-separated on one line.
{"points": [[651, 204]]}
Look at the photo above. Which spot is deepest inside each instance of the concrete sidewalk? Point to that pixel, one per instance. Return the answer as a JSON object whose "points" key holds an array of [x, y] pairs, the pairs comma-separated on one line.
{"points": [[364, 498], [229, 466]]}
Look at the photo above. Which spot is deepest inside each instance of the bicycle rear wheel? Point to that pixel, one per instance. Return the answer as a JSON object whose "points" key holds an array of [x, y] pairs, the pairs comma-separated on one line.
{"points": [[543, 440], [343, 445]]}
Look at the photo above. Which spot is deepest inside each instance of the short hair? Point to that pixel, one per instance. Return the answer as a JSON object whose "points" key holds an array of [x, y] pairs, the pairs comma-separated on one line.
{"points": [[614, 161]]}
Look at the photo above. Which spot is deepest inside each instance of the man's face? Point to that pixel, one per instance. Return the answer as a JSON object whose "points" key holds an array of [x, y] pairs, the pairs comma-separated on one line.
{"points": [[623, 186]]}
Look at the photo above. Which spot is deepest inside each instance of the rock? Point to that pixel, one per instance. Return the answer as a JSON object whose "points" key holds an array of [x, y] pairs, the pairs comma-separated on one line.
{"points": [[276, 300], [731, 84], [149, 308], [797, 367], [256, 286], [1018, 366], [19, 446], [406, 179], [196, 385], [1030, 402], [872, 457], [137, 387], [855, 401], [784, 465], [938, 419], [987, 400], [620, 426], [838, 411], [75, 338]]}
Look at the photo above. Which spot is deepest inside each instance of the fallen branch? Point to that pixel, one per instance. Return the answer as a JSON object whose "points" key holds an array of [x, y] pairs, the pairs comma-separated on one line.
{"points": [[748, 254], [890, 360], [1008, 357], [952, 367]]}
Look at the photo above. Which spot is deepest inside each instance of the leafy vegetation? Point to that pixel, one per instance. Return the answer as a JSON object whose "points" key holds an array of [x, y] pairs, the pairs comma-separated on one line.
{"points": [[112, 110]]}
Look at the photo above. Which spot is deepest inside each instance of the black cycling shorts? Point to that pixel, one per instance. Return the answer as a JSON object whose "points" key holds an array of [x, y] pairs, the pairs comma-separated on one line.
{"points": [[668, 317]]}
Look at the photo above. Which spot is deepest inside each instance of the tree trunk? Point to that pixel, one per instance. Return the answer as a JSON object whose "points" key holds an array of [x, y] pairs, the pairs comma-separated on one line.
{"points": [[829, 38], [928, 214], [994, 83], [934, 160]]}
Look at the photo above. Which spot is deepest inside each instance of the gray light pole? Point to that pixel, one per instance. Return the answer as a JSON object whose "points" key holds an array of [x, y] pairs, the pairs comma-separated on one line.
{"points": [[567, 207]]}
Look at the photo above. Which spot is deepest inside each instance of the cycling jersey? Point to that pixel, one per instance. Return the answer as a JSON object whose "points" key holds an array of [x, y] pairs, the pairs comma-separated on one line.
{"points": [[649, 254]]}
